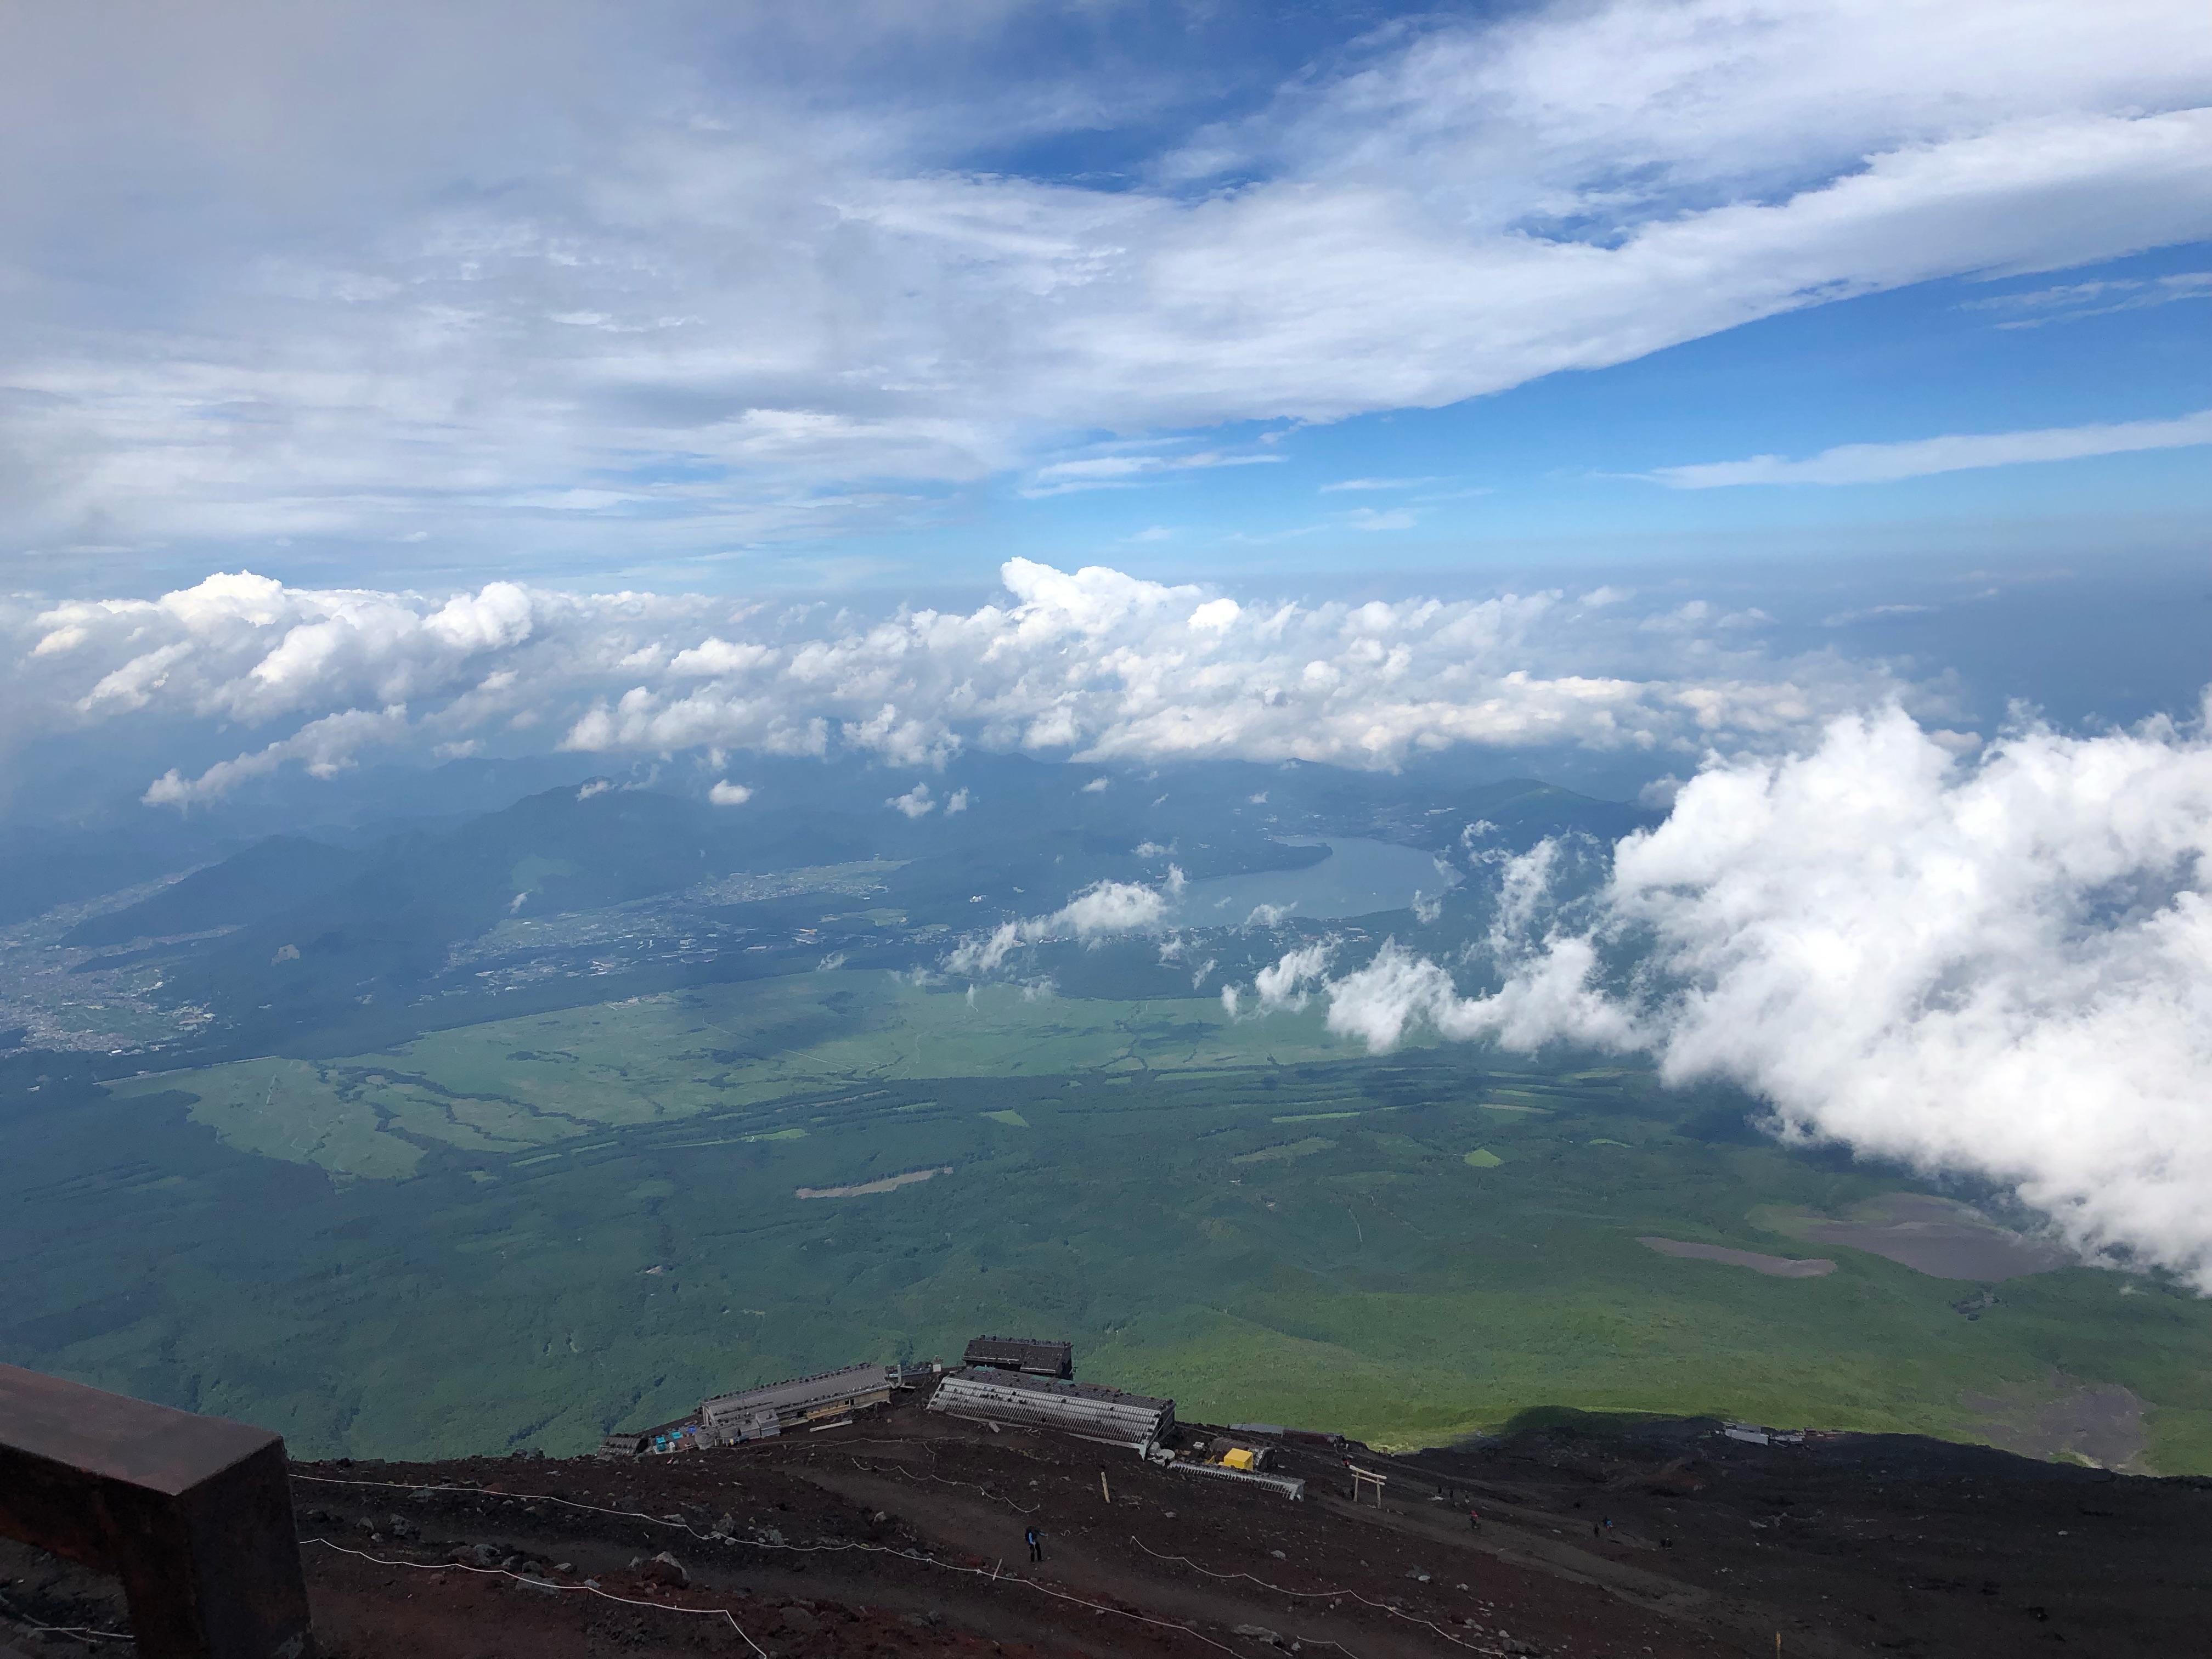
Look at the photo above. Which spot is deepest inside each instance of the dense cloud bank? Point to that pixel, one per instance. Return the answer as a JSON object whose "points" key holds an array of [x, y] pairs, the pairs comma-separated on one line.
{"points": [[1095, 663], [2002, 968], [667, 280]]}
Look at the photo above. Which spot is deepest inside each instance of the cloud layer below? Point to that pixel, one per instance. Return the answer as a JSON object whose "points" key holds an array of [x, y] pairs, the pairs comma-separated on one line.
{"points": [[1092, 663], [2002, 968]]}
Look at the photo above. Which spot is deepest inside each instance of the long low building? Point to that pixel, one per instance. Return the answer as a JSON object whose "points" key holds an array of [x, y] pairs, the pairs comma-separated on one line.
{"points": [[1028, 1355], [757, 1412], [1289, 1486], [1134, 1420]]}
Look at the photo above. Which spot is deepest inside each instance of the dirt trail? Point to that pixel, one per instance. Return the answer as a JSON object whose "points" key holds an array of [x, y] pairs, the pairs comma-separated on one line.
{"points": [[902, 1535]]}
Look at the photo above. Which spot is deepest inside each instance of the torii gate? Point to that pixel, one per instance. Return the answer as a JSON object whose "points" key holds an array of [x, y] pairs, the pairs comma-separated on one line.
{"points": [[1362, 1479]]}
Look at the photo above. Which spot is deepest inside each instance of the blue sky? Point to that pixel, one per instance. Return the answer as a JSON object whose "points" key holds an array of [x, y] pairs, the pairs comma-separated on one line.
{"points": [[674, 379], [869, 298], [1479, 487]]}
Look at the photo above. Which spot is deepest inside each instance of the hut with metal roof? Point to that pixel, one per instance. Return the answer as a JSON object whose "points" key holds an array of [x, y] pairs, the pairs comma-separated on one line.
{"points": [[1083, 1409], [757, 1413], [1028, 1355]]}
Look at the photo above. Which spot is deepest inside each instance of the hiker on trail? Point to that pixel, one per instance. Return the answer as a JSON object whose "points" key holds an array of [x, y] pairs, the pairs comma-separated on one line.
{"points": [[1474, 1520], [1035, 1544]]}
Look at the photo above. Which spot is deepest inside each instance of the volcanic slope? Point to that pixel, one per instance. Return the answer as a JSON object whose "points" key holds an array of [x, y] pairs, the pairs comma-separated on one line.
{"points": [[901, 1533]]}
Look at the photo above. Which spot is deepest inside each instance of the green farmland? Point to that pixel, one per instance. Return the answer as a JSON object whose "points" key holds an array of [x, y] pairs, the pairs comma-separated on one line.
{"points": [[524, 1232]]}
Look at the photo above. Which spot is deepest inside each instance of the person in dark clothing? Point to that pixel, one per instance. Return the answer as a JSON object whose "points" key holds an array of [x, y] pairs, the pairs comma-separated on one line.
{"points": [[1475, 1520], [1035, 1544]]}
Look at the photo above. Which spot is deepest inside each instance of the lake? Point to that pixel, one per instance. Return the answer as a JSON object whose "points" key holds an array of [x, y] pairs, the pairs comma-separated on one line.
{"points": [[1358, 878]]}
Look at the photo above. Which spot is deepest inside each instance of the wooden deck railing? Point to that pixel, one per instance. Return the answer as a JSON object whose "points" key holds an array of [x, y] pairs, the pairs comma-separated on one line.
{"points": [[193, 1514]]}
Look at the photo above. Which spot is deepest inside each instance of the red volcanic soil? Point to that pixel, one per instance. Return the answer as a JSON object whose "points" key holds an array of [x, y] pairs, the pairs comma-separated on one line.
{"points": [[902, 1533]]}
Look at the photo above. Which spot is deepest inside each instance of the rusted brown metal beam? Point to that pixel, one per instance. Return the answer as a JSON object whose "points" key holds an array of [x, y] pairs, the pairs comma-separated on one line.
{"points": [[193, 1514]]}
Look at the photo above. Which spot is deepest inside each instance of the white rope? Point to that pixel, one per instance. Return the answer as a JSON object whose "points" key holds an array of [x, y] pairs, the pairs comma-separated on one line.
{"points": [[75, 1632], [754, 1543], [546, 1583], [1334, 1595]]}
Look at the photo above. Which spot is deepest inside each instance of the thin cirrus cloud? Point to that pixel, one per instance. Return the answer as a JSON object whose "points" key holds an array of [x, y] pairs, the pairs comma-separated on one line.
{"points": [[1851, 464], [1994, 967], [2072, 301], [1127, 471], [713, 302], [1092, 664]]}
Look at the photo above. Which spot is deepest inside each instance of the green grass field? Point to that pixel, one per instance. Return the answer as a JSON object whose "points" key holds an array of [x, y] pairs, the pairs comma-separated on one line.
{"points": [[527, 1231], [512, 1084]]}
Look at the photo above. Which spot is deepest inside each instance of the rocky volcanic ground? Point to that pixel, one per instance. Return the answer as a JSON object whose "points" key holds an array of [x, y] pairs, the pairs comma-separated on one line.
{"points": [[902, 1533]]}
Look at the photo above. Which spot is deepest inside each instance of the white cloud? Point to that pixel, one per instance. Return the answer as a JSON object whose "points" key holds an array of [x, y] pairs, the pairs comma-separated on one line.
{"points": [[326, 747], [2002, 968], [1286, 985], [915, 804], [1851, 464], [1118, 471], [1369, 517], [1093, 664], [718, 659], [955, 803], [726, 794], [718, 301], [1375, 483], [2071, 301], [1098, 911]]}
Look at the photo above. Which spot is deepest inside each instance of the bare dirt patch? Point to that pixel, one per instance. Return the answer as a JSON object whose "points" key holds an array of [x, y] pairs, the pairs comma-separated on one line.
{"points": [[1938, 1237], [1775, 1267], [889, 1183], [2098, 1423]]}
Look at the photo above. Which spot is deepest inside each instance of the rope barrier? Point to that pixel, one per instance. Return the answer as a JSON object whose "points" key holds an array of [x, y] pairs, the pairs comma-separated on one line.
{"points": [[996, 1497], [1335, 1594], [752, 1543], [76, 1633], [547, 1583]]}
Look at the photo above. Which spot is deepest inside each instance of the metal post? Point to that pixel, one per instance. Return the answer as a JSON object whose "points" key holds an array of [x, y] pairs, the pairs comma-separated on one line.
{"points": [[193, 1514]]}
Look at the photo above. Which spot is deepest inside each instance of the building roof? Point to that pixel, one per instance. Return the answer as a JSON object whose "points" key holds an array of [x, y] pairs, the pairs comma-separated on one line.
{"points": [[801, 1391], [1059, 1389], [1033, 1355]]}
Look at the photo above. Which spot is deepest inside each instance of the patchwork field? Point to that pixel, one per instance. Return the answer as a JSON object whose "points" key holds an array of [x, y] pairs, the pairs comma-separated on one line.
{"points": [[527, 1231], [512, 1084]]}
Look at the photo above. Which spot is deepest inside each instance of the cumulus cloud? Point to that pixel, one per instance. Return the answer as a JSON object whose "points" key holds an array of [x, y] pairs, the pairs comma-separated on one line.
{"points": [[325, 747], [1093, 664], [915, 804], [1099, 911], [726, 794], [721, 303], [1284, 985], [1850, 464], [2001, 967]]}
